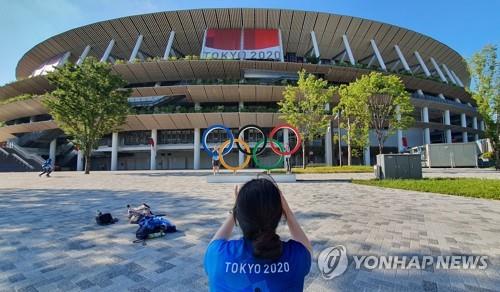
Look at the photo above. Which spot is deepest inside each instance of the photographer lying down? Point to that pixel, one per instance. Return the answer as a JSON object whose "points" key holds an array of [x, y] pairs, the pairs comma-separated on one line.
{"points": [[259, 261]]}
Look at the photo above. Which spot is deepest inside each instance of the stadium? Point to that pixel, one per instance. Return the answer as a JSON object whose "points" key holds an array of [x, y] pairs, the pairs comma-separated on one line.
{"points": [[191, 69]]}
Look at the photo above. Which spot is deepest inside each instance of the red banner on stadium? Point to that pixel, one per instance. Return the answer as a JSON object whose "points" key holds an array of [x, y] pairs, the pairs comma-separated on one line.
{"points": [[247, 44]]}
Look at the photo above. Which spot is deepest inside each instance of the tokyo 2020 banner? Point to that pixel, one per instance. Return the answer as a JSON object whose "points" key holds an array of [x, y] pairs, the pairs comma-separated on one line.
{"points": [[219, 151], [244, 44]]}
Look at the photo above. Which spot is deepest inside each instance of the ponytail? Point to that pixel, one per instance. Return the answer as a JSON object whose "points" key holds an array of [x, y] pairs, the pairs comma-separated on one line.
{"points": [[267, 245]]}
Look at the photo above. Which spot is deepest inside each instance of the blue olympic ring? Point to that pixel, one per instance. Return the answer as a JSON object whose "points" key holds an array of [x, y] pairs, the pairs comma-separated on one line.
{"points": [[214, 153]]}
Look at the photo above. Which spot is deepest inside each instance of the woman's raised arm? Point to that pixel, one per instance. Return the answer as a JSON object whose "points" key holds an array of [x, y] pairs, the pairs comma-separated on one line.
{"points": [[227, 227], [293, 225]]}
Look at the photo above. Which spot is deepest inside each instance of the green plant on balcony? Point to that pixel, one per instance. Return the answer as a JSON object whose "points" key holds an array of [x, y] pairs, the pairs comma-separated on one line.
{"points": [[16, 98], [120, 62], [172, 58], [312, 59]]}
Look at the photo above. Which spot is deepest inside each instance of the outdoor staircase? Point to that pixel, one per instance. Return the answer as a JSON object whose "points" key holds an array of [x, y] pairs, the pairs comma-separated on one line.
{"points": [[10, 161]]}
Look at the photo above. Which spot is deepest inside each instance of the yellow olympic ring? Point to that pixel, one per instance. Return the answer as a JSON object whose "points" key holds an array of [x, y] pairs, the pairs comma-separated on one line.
{"points": [[221, 157]]}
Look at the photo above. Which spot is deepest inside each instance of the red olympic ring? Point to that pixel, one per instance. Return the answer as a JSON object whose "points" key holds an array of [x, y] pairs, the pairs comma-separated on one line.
{"points": [[276, 149]]}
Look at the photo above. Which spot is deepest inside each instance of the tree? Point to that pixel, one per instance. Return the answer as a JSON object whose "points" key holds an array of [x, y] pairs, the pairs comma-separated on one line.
{"points": [[88, 102], [303, 106], [485, 90], [355, 118], [388, 104]]}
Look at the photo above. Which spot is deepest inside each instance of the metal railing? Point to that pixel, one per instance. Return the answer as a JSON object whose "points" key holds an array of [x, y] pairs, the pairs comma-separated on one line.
{"points": [[4, 152], [22, 161], [35, 157]]}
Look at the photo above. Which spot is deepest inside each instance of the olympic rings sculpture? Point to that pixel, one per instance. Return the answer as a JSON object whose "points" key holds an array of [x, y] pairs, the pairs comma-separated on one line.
{"points": [[226, 147]]}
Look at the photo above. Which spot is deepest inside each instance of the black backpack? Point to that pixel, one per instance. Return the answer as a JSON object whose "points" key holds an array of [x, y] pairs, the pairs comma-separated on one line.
{"points": [[105, 219]]}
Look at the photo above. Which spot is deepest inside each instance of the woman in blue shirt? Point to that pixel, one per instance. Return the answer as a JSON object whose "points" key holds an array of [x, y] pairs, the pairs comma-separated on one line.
{"points": [[259, 261]]}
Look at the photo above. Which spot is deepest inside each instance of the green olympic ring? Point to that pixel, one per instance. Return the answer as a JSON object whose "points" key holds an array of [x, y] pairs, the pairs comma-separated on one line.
{"points": [[257, 161]]}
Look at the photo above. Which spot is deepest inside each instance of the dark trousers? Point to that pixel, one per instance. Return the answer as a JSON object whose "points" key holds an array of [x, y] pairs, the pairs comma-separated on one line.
{"points": [[46, 171]]}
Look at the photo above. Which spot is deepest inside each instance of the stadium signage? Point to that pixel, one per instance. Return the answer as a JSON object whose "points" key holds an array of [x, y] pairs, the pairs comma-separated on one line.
{"points": [[242, 44]]}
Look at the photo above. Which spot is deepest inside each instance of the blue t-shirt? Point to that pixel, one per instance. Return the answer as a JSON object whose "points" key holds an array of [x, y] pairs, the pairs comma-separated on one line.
{"points": [[231, 266]]}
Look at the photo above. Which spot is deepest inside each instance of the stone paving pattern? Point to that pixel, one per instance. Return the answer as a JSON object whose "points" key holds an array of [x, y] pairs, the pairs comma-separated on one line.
{"points": [[49, 240]]}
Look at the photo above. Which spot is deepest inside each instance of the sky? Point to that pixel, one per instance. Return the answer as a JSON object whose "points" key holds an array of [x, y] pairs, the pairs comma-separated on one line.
{"points": [[464, 25]]}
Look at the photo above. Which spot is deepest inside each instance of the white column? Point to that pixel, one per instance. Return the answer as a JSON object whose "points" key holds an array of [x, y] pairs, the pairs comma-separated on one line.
{"points": [[399, 133], [449, 74], [422, 64], [315, 44], [366, 155], [474, 125], [282, 59], [348, 49], [79, 160], [447, 122], [457, 79], [196, 149], [427, 131], [241, 105], [463, 120], [378, 55], [168, 48], [152, 161], [52, 151], [481, 125], [136, 49], [105, 56], [440, 73], [114, 151], [441, 96], [402, 58], [286, 142], [83, 55], [328, 141]]}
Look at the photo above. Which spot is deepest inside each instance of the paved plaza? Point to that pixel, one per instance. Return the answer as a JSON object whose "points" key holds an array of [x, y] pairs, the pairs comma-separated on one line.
{"points": [[49, 240]]}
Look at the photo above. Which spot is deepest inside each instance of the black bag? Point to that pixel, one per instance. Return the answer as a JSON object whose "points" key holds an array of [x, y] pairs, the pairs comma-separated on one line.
{"points": [[105, 219]]}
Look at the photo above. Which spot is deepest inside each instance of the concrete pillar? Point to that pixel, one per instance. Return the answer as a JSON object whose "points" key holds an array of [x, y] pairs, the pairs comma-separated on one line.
{"points": [[465, 137], [107, 52], [328, 141], [52, 151], [441, 96], [422, 64], [438, 70], [448, 73], [315, 44], [152, 161], [170, 41], [241, 105], [447, 122], [402, 58], [79, 160], [427, 131], [378, 55], [474, 123], [348, 50], [481, 126], [114, 151], [136, 49], [399, 133], [286, 142], [400, 141], [463, 121], [83, 55], [196, 149], [366, 156]]}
